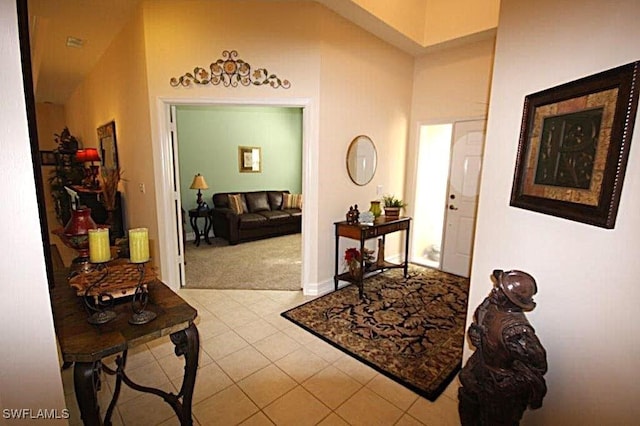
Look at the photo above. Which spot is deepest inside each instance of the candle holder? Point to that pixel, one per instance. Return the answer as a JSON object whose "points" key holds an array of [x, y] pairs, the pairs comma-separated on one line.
{"points": [[139, 301], [99, 314]]}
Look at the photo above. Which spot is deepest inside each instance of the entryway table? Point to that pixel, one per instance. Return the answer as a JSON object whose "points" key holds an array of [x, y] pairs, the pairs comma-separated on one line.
{"points": [[85, 345], [362, 232]]}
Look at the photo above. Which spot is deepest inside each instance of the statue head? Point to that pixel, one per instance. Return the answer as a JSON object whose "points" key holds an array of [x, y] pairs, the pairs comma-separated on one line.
{"points": [[518, 287]]}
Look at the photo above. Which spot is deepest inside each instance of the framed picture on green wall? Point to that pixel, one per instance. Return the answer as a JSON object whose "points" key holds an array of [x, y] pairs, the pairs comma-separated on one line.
{"points": [[249, 159]]}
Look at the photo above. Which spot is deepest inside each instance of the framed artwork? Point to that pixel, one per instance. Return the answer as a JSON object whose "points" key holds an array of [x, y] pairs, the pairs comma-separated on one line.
{"points": [[47, 158], [108, 145], [249, 159], [574, 146]]}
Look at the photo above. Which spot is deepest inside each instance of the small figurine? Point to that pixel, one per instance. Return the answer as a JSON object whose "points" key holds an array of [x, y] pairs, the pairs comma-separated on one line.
{"points": [[352, 215], [505, 373]]}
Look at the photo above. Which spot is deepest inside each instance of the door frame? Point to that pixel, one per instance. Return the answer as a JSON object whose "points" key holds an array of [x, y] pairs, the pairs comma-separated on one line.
{"points": [[169, 226], [412, 179]]}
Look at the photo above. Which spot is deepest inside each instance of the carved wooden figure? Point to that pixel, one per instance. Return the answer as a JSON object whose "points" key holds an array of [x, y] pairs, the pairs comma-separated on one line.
{"points": [[504, 375]]}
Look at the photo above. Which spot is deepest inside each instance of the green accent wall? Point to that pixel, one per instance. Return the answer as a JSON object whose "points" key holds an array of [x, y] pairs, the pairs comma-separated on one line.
{"points": [[208, 141]]}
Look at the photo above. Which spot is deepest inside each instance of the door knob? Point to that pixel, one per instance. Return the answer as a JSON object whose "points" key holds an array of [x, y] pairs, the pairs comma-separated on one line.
{"points": [[452, 207]]}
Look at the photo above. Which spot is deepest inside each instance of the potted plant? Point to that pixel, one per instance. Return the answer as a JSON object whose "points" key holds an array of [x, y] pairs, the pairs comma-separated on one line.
{"points": [[392, 206]]}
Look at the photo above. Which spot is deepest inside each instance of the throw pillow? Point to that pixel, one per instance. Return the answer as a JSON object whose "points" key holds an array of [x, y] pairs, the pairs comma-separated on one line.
{"points": [[291, 201], [235, 203]]}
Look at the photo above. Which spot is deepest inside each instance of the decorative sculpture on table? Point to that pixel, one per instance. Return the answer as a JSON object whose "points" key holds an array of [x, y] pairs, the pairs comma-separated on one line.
{"points": [[505, 373]]}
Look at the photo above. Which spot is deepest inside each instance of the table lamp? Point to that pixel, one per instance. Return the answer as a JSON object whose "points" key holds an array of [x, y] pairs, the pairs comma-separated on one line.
{"points": [[199, 183], [91, 154]]}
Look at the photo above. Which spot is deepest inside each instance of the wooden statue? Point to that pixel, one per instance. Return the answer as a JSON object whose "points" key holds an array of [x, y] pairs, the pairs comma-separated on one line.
{"points": [[504, 375]]}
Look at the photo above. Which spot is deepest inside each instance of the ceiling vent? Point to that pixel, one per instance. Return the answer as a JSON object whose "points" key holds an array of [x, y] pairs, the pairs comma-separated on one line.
{"points": [[74, 42]]}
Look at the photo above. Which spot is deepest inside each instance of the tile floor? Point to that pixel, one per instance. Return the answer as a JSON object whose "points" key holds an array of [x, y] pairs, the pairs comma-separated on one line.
{"points": [[256, 368]]}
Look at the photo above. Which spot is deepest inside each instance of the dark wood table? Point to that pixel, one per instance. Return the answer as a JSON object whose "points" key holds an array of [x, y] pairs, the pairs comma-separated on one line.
{"points": [[362, 232], [85, 345], [205, 213]]}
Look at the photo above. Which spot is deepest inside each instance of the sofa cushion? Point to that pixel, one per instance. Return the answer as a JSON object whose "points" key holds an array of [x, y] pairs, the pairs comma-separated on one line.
{"points": [[293, 212], [275, 199], [291, 201], [252, 221], [257, 201], [235, 203], [275, 214]]}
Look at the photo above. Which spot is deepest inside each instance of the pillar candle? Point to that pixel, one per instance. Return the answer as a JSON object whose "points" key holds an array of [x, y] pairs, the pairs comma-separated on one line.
{"points": [[139, 245], [99, 250]]}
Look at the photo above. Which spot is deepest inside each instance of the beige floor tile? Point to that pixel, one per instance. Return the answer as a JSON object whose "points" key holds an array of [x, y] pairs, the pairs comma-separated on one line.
{"points": [[296, 408], [146, 409], [354, 368], [407, 420], [256, 330], [265, 307], [266, 385], [366, 408], [276, 320], [228, 407], [243, 363], [442, 412], [324, 350], [452, 390], [258, 419], [150, 374], [161, 347], [393, 392], [301, 364], [333, 420], [331, 386], [222, 345], [237, 317], [209, 381], [211, 327], [298, 334], [276, 346]]}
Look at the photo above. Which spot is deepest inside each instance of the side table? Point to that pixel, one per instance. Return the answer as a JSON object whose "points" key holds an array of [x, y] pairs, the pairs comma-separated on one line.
{"points": [[194, 215]]}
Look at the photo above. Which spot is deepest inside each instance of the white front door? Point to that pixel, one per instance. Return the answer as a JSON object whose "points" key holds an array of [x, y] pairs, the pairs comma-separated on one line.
{"points": [[462, 196]]}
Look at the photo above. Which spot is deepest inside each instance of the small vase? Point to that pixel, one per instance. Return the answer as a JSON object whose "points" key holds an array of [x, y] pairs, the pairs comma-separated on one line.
{"points": [[375, 208], [392, 212], [354, 270]]}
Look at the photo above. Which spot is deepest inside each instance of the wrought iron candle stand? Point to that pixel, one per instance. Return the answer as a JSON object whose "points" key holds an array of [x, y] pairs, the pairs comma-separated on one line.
{"points": [[139, 301], [101, 301]]}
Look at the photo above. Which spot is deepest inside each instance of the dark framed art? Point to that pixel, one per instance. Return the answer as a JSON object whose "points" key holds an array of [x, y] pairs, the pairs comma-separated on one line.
{"points": [[47, 158], [574, 145]]}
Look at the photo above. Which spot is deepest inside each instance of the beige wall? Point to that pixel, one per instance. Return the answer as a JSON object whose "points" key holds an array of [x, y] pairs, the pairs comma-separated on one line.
{"points": [[448, 85], [29, 369], [447, 20], [587, 276]]}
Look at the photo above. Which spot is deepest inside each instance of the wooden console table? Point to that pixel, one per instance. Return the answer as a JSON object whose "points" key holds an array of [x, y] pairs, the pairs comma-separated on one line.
{"points": [[85, 345], [362, 232]]}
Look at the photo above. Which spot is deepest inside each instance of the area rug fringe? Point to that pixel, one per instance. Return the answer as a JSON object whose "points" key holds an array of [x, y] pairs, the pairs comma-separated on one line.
{"points": [[408, 329]]}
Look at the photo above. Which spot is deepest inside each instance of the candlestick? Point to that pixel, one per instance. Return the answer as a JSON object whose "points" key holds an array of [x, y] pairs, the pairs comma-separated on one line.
{"points": [[139, 245], [99, 249]]}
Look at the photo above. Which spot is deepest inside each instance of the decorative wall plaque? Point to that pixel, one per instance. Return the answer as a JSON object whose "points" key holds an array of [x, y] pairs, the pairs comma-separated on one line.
{"points": [[230, 71]]}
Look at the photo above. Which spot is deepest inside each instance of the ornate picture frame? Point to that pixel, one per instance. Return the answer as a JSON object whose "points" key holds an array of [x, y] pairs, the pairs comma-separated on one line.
{"points": [[574, 145], [249, 159]]}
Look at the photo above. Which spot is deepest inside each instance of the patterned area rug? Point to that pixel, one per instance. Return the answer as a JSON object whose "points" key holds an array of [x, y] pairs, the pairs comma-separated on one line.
{"points": [[411, 330]]}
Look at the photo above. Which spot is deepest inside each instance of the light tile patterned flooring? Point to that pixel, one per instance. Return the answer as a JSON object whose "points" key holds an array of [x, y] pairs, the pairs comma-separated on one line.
{"points": [[257, 368]]}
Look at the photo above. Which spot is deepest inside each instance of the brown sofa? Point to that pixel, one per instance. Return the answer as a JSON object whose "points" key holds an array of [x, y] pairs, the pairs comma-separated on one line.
{"points": [[262, 216]]}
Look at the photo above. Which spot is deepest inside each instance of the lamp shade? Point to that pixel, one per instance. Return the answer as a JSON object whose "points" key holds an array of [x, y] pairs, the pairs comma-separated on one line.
{"points": [[81, 155], [91, 154], [199, 182]]}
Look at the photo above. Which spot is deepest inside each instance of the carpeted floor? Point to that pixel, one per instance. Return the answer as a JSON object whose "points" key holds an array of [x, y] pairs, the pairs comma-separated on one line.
{"points": [[269, 264], [411, 330]]}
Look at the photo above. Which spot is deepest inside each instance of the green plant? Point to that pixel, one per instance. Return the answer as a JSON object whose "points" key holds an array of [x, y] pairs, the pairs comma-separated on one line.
{"points": [[392, 201], [68, 171]]}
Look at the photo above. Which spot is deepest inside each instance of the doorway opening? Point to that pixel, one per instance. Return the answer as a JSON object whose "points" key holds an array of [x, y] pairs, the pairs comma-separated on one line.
{"points": [[434, 153], [447, 185]]}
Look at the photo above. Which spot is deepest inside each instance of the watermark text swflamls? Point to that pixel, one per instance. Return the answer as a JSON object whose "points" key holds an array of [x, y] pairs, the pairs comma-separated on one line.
{"points": [[39, 414]]}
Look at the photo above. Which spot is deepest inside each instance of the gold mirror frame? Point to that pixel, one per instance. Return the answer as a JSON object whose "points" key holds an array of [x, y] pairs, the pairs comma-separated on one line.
{"points": [[362, 160]]}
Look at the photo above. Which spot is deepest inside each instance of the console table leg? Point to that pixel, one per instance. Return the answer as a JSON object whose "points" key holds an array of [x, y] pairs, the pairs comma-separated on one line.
{"points": [[188, 344], [86, 378]]}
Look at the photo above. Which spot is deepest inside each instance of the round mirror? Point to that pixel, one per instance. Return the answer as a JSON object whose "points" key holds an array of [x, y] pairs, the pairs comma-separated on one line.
{"points": [[361, 160]]}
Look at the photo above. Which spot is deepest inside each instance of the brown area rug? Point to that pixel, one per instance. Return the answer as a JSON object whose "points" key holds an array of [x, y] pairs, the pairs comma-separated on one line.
{"points": [[269, 264], [411, 330]]}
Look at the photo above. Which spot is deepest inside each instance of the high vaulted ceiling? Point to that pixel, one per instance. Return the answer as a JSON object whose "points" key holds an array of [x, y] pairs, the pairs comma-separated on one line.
{"points": [[415, 26]]}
